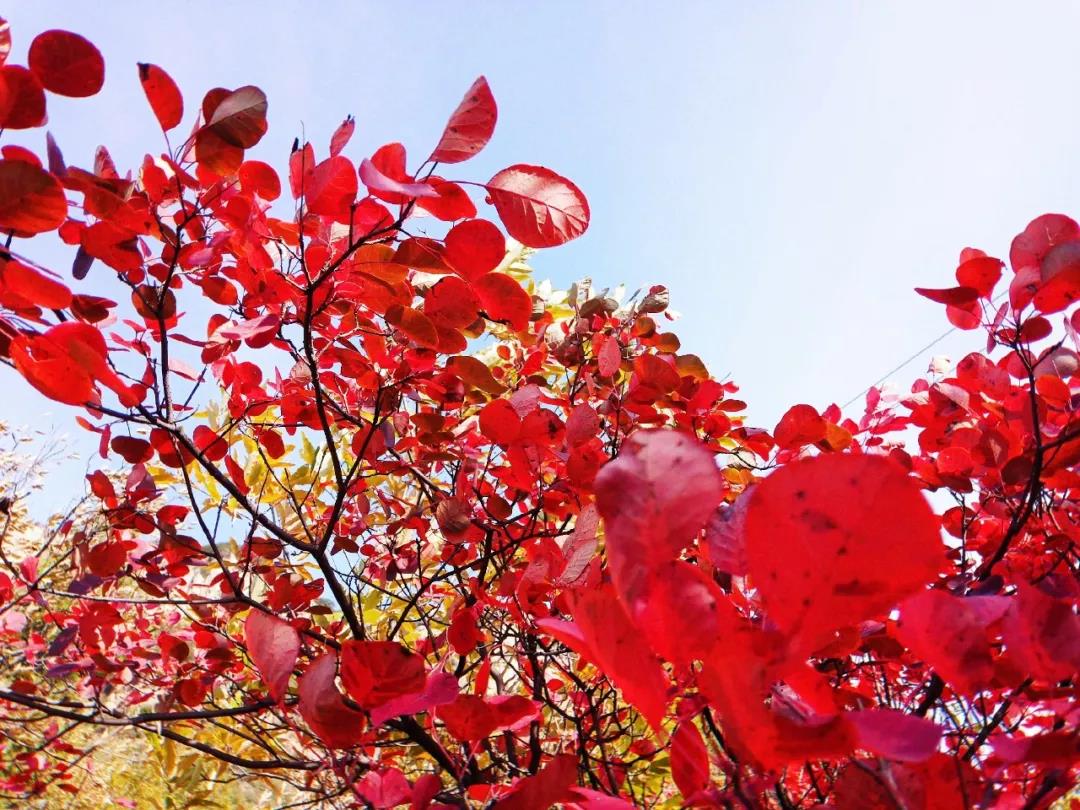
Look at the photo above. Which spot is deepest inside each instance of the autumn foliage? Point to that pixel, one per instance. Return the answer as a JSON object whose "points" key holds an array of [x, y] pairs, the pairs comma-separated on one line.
{"points": [[380, 516]]}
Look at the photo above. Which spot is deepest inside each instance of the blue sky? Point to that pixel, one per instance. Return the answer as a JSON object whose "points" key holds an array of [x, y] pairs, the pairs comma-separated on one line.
{"points": [[790, 170]]}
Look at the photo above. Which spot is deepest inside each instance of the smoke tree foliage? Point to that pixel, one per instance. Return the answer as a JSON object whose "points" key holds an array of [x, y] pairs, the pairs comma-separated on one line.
{"points": [[379, 517]]}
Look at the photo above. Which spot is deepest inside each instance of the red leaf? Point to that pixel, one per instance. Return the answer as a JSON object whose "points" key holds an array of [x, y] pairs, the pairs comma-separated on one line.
{"points": [[273, 645], [251, 329], [239, 119], [475, 247], [66, 64], [164, 96], [331, 188], [471, 717], [654, 498], [951, 634], [132, 450], [422, 254], [1042, 634], [23, 105], [963, 317], [342, 135], [1041, 234], [689, 760], [451, 204], [301, 161], [581, 425], [1059, 292], [609, 358], [415, 324], [380, 185], [452, 303], [441, 688], [1059, 747], [800, 426], [895, 735], [66, 360], [504, 300], [981, 273], [33, 286], [546, 789], [260, 178], [470, 126], [31, 200], [384, 790], [500, 422], [586, 799], [580, 547], [603, 634], [106, 559], [538, 207], [211, 445], [954, 296], [677, 612], [463, 633], [324, 709], [654, 377], [374, 672], [834, 540], [725, 537]]}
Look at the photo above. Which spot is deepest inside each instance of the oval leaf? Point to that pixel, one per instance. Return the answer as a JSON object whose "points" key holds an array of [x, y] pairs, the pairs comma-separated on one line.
{"points": [[834, 540], [31, 200], [470, 127], [273, 645], [240, 118], [163, 94], [66, 64], [538, 207]]}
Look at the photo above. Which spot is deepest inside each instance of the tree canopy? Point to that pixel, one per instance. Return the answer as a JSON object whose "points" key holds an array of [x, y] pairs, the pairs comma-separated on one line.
{"points": [[382, 521]]}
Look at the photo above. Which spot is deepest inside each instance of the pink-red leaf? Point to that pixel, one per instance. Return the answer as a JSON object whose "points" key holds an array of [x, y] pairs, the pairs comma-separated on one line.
{"points": [[342, 135], [22, 99], [654, 498], [604, 634], [689, 760], [31, 199], [837, 539], [66, 64], [470, 126], [546, 789], [538, 207], [331, 188], [164, 96], [273, 645], [324, 709], [471, 717], [950, 633], [379, 183], [895, 735], [1041, 234], [374, 672]]}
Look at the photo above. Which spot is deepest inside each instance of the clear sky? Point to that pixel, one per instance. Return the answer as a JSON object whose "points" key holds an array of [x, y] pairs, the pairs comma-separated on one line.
{"points": [[790, 170]]}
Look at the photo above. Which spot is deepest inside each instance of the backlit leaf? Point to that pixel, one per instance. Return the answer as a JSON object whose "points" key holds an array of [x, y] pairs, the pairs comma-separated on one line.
{"points": [[66, 63], [538, 207]]}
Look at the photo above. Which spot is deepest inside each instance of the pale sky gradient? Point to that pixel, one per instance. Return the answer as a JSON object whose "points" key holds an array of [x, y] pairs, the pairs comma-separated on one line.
{"points": [[790, 170]]}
